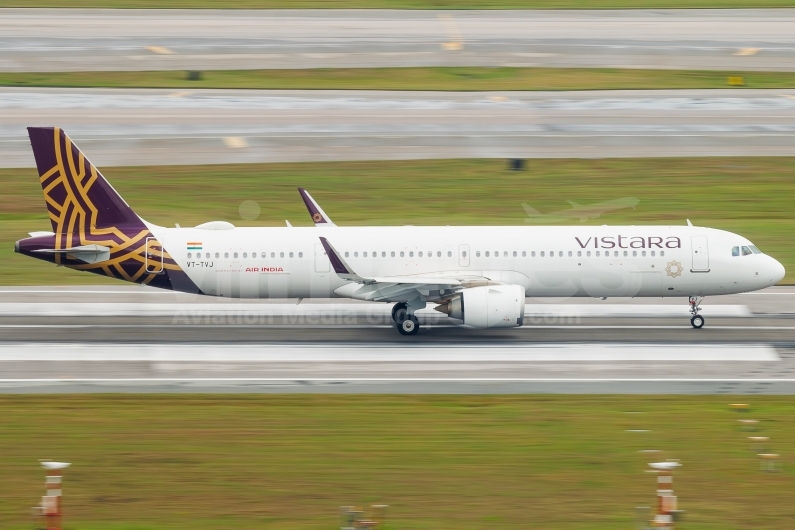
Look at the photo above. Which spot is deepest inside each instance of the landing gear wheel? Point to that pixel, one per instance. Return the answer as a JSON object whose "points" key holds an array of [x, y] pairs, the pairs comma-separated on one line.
{"points": [[399, 307], [409, 326], [697, 321]]}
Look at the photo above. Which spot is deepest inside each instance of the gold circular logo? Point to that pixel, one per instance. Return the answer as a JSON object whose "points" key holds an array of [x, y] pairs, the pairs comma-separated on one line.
{"points": [[317, 218], [674, 269]]}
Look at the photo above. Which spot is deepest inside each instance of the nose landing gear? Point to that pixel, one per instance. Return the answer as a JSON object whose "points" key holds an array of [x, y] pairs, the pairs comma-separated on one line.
{"points": [[697, 321]]}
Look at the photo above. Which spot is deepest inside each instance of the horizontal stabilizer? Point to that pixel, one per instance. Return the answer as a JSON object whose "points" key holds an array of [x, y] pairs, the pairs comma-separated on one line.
{"points": [[86, 253]]}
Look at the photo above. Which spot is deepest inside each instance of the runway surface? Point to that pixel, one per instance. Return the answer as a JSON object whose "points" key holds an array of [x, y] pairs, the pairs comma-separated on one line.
{"points": [[85, 39], [135, 127], [54, 340]]}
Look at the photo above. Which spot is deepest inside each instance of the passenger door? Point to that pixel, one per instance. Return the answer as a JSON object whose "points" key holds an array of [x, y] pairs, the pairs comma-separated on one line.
{"points": [[700, 252]]}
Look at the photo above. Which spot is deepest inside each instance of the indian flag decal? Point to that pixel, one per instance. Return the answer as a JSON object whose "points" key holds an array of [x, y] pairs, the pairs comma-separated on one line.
{"points": [[194, 245]]}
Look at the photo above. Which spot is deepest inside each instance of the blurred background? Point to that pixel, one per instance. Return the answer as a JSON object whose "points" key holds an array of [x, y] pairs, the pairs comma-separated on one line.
{"points": [[393, 112]]}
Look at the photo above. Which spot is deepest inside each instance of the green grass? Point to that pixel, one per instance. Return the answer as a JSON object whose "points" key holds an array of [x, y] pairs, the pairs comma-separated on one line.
{"points": [[458, 78], [400, 4], [751, 196], [465, 462]]}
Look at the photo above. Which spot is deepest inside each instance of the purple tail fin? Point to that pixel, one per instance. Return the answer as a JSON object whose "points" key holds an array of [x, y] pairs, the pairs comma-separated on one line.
{"points": [[78, 197]]}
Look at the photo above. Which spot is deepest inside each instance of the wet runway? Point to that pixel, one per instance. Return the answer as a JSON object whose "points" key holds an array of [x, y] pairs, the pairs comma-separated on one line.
{"points": [[132, 127], [128, 39], [51, 340]]}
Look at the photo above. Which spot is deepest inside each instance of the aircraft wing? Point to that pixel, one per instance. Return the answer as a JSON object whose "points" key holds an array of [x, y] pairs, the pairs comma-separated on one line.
{"points": [[317, 214], [391, 288]]}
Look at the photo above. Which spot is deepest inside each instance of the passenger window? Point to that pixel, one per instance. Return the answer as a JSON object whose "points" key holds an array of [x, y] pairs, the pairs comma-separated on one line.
{"points": [[552, 254], [253, 254], [393, 254], [524, 253], [652, 253], [487, 253], [235, 255], [438, 253], [464, 254], [542, 253], [281, 254], [597, 253], [626, 253], [477, 254], [383, 254], [634, 253], [643, 253], [514, 253], [569, 253], [401, 254], [217, 255], [190, 255], [273, 254], [579, 253], [615, 253], [245, 254], [588, 254], [226, 254], [291, 254], [747, 251], [411, 253], [505, 254], [533, 254], [364, 254], [300, 254], [662, 253], [449, 253], [419, 254], [560, 254]]}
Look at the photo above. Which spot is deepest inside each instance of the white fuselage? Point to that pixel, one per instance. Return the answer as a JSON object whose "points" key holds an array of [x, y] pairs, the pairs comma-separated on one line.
{"points": [[592, 261]]}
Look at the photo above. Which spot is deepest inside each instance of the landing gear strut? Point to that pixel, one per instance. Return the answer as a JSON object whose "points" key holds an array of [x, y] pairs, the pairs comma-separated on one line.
{"points": [[405, 321], [697, 321]]}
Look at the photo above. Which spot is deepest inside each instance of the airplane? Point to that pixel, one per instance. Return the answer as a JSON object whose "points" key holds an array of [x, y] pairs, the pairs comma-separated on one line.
{"points": [[477, 275], [579, 211]]}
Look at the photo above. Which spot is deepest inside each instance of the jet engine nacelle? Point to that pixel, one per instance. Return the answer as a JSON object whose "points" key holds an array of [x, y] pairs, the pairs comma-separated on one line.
{"points": [[489, 306]]}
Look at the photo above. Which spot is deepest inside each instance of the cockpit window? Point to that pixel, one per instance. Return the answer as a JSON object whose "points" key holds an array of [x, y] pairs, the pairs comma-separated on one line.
{"points": [[747, 251], [735, 251], [754, 249]]}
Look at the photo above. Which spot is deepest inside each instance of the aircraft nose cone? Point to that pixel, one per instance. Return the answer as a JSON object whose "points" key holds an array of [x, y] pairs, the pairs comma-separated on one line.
{"points": [[777, 272]]}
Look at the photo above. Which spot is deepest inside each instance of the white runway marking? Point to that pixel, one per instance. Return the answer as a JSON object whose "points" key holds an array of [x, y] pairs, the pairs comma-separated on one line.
{"points": [[391, 380], [356, 353]]}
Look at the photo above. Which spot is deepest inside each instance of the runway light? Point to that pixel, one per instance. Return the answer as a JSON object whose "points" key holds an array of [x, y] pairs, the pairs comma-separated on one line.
{"points": [[767, 462], [748, 425], [50, 506], [667, 512], [354, 518], [759, 443]]}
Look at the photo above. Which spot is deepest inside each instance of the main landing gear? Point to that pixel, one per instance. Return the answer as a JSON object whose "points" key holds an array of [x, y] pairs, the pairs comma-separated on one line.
{"points": [[406, 323], [697, 321]]}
